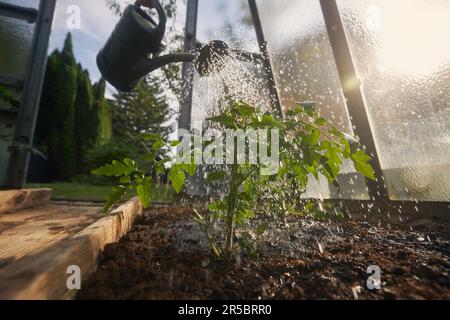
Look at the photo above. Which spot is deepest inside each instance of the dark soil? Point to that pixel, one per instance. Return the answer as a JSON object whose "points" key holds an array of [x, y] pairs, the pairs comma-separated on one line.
{"points": [[164, 257]]}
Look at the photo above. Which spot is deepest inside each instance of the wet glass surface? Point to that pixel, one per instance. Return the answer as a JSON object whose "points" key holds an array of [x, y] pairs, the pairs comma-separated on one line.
{"points": [[305, 70], [402, 54]]}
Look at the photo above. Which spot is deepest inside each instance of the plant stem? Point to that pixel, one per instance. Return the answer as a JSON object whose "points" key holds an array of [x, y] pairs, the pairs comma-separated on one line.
{"points": [[232, 200], [231, 208]]}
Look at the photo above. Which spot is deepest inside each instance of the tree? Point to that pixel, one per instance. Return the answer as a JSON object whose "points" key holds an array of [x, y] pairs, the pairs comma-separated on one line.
{"points": [[74, 115], [103, 112], [86, 120], [56, 129], [143, 110]]}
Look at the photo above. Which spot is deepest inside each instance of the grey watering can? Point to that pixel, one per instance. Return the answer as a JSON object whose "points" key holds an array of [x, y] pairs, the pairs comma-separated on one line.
{"points": [[132, 51]]}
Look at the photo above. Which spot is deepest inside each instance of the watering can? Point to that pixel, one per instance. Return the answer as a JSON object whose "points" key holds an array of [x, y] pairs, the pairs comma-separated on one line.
{"points": [[133, 49]]}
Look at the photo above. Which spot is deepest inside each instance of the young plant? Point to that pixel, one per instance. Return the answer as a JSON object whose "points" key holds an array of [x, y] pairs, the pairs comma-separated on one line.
{"points": [[309, 146], [139, 181]]}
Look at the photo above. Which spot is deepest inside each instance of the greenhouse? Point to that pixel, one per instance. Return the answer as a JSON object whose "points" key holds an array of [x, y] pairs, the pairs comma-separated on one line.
{"points": [[251, 150]]}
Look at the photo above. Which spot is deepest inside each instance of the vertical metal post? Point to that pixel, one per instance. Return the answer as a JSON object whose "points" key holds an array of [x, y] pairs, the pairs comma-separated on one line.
{"points": [[265, 56], [351, 87], [28, 112], [190, 38]]}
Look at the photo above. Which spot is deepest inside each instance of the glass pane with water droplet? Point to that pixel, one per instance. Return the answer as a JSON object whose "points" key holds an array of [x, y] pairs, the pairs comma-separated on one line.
{"points": [[305, 70], [15, 47], [16, 38], [229, 21], [402, 54], [24, 3]]}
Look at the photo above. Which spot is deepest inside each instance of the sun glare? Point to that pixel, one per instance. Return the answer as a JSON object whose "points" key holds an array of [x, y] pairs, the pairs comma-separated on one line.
{"points": [[412, 35]]}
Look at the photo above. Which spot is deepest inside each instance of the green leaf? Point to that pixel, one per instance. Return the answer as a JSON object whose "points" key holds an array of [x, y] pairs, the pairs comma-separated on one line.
{"points": [[312, 139], [114, 197], [7, 96], [214, 176], [346, 148], [245, 196], [151, 137], [245, 110], [271, 122], [313, 171], [296, 111], [244, 215], [177, 177], [219, 205], [190, 169], [333, 159], [309, 106], [320, 122], [130, 163], [125, 180], [225, 120], [175, 143], [301, 175], [337, 132], [158, 145], [116, 169], [144, 192], [362, 164], [150, 157]]}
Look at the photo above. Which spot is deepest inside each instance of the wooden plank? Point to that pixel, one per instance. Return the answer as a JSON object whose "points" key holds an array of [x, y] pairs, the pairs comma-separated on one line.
{"points": [[43, 275], [34, 230], [14, 200]]}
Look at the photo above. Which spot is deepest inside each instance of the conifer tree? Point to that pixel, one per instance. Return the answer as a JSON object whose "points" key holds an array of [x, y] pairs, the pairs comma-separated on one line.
{"points": [[143, 110], [56, 129], [103, 112]]}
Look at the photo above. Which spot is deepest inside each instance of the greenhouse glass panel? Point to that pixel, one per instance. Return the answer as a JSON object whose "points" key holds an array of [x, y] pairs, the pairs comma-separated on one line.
{"points": [[402, 54], [24, 3], [304, 69], [16, 38], [229, 21]]}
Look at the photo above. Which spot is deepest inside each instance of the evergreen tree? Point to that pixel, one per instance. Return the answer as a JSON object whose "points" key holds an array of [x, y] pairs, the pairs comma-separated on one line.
{"points": [[86, 121], [143, 110], [74, 115], [103, 113], [56, 130]]}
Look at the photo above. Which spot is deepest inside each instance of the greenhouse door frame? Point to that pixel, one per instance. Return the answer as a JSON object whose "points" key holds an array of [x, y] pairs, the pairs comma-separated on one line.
{"points": [[356, 105], [31, 86]]}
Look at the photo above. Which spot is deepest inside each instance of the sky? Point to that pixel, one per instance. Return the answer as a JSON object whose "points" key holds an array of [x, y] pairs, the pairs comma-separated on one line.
{"points": [[97, 22]]}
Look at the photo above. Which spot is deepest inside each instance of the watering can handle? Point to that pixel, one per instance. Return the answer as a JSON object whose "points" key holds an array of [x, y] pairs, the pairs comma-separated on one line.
{"points": [[161, 13]]}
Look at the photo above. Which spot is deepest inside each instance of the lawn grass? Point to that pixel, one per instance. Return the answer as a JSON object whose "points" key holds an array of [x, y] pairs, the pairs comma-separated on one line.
{"points": [[79, 191]]}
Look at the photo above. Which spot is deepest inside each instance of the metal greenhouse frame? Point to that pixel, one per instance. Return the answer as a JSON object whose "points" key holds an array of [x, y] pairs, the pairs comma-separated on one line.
{"points": [[356, 106], [30, 86]]}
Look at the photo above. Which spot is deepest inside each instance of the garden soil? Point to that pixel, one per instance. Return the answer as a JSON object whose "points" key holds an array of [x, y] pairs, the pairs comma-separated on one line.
{"points": [[166, 256]]}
